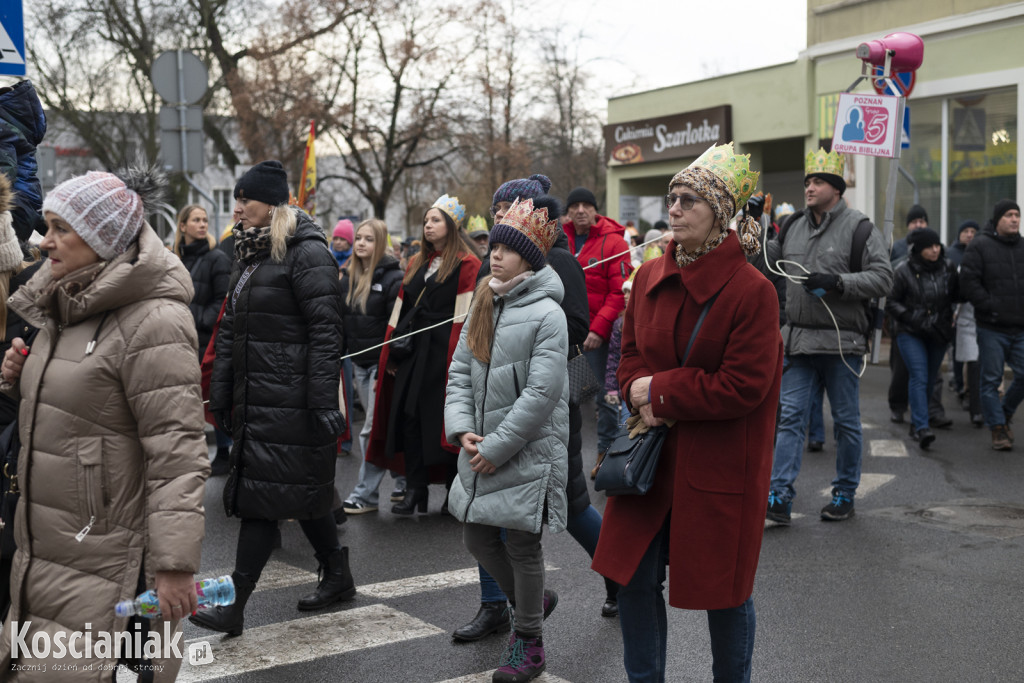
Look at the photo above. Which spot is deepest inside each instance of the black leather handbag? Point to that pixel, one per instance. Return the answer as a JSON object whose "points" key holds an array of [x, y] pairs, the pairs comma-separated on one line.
{"points": [[629, 464], [401, 347]]}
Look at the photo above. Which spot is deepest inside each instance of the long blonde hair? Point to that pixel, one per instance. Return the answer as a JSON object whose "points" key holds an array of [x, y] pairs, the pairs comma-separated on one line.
{"points": [[359, 278], [282, 226], [455, 245], [480, 333], [5, 291], [179, 234]]}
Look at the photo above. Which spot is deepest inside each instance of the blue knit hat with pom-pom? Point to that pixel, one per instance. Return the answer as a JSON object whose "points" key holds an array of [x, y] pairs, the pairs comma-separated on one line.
{"points": [[522, 188]]}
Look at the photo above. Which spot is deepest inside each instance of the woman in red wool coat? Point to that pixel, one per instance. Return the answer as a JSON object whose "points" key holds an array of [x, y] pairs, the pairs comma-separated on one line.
{"points": [[705, 513]]}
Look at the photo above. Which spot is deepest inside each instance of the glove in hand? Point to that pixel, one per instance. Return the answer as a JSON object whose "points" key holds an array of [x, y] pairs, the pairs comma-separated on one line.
{"points": [[819, 283], [332, 421], [223, 420], [755, 207]]}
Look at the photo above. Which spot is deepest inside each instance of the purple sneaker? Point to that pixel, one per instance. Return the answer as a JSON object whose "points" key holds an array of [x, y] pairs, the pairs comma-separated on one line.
{"points": [[523, 660]]}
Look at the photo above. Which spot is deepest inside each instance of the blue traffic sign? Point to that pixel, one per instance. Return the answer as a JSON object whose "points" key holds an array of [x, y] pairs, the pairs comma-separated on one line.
{"points": [[905, 138], [12, 39]]}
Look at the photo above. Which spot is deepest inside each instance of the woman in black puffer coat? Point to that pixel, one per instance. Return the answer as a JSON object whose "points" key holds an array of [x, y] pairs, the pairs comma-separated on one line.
{"points": [[210, 269], [369, 287], [275, 387], [925, 287]]}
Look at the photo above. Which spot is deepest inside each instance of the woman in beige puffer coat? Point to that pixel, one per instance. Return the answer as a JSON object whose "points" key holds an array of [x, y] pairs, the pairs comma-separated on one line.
{"points": [[113, 460]]}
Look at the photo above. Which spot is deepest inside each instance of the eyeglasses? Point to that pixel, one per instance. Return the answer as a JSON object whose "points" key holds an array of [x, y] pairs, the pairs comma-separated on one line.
{"points": [[686, 201], [500, 206]]}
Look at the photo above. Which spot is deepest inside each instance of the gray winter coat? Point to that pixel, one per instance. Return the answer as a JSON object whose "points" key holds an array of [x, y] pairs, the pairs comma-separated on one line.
{"points": [[519, 404], [826, 249]]}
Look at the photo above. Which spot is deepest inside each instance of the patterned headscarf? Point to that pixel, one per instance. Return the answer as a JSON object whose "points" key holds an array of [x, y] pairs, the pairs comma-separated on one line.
{"points": [[714, 191]]}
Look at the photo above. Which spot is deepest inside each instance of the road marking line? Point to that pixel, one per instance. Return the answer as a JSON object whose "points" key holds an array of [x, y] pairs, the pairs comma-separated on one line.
{"points": [[869, 483], [422, 584], [303, 640], [485, 677], [888, 448], [275, 575]]}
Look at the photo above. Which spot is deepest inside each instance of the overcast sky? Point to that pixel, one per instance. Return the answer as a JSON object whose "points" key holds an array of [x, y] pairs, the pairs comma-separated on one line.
{"points": [[645, 44]]}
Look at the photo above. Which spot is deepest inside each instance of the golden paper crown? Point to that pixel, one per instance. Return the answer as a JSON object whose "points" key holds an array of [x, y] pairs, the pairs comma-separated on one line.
{"points": [[824, 162], [533, 223], [476, 222], [733, 169], [452, 207]]}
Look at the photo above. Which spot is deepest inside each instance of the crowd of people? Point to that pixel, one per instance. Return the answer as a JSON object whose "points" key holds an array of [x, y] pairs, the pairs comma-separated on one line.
{"points": [[728, 325]]}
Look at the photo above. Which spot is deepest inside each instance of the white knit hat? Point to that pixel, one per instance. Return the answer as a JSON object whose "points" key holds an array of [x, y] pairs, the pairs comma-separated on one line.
{"points": [[104, 212]]}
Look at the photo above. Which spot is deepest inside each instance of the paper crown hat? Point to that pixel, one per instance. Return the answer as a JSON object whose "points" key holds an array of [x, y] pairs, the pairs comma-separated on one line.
{"points": [[477, 222], [733, 169], [529, 231], [452, 207], [824, 162]]}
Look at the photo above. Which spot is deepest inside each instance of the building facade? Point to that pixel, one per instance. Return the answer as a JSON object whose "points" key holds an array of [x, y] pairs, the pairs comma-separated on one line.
{"points": [[963, 113]]}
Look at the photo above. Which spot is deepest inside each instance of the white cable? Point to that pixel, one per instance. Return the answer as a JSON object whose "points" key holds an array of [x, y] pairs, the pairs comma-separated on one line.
{"points": [[460, 318], [800, 278]]}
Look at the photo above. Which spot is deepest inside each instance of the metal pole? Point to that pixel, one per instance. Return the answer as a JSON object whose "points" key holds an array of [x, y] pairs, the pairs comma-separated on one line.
{"points": [[890, 190], [182, 113], [910, 179]]}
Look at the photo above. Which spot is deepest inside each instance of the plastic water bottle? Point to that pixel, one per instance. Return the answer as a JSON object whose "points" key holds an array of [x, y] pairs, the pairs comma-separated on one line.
{"points": [[211, 593]]}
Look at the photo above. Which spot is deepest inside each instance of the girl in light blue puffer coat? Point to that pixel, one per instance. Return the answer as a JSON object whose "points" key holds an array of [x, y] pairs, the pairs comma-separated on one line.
{"points": [[507, 405]]}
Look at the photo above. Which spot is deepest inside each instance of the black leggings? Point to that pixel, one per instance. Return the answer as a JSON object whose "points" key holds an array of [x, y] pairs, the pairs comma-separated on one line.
{"points": [[256, 542]]}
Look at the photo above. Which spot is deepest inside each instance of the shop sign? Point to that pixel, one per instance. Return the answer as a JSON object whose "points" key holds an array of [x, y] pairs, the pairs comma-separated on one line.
{"points": [[667, 137], [867, 124]]}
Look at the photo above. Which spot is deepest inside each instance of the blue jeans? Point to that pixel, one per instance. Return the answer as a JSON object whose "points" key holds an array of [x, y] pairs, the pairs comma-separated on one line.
{"points": [[607, 416], [798, 381], [370, 475], [923, 358], [816, 426], [644, 624], [584, 528], [995, 349]]}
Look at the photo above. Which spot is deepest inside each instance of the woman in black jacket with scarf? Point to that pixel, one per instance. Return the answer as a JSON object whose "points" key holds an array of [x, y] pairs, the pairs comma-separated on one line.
{"points": [[925, 287], [210, 269], [369, 287], [275, 388]]}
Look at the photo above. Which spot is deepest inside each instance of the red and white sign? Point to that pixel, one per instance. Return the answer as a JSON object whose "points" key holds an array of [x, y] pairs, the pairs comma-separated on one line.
{"points": [[867, 124]]}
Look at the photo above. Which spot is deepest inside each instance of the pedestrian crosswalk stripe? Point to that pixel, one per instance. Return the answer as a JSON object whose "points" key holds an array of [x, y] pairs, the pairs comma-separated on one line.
{"points": [[769, 524], [301, 640], [275, 575], [485, 677], [869, 483], [426, 583], [888, 448]]}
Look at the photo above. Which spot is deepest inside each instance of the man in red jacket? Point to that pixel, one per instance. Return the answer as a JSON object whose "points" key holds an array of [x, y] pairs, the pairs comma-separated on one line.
{"points": [[602, 251]]}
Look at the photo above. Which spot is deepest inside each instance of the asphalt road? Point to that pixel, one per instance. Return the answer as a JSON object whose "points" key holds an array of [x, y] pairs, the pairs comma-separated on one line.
{"points": [[923, 584]]}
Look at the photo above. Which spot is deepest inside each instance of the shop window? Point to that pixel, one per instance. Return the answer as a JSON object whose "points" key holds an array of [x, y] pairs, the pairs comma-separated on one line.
{"points": [[982, 154]]}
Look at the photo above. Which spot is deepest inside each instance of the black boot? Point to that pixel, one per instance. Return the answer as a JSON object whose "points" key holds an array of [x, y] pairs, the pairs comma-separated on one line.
{"points": [[220, 464], [228, 619], [336, 582], [492, 618], [610, 608], [414, 498]]}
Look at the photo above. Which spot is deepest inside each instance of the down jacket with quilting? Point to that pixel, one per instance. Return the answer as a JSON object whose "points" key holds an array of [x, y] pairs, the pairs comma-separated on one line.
{"points": [[111, 436], [278, 362], [519, 404]]}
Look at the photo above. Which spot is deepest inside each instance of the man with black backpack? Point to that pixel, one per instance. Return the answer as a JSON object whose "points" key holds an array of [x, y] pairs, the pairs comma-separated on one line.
{"points": [[835, 261]]}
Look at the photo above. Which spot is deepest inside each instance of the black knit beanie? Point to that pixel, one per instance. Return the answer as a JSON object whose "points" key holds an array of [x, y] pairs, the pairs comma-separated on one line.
{"points": [[832, 179], [916, 211], [581, 194], [265, 182], [923, 238], [968, 224], [1001, 207]]}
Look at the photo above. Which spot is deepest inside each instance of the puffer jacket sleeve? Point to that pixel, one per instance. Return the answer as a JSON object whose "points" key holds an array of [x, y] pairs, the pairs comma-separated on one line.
{"points": [[161, 382], [896, 305], [972, 287], [459, 402], [317, 290], [539, 397], [875, 277], [222, 377], [220, 275]]}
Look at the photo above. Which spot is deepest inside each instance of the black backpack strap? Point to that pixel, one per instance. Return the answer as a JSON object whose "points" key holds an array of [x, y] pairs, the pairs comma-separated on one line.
{"points": [[860, 240]]}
